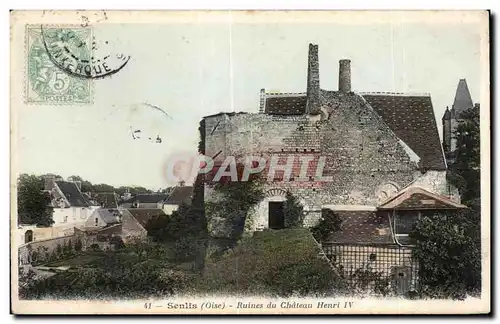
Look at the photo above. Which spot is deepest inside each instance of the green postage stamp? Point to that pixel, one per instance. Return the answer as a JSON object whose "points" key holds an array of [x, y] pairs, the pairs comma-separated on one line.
{"points": [[46, 82]]}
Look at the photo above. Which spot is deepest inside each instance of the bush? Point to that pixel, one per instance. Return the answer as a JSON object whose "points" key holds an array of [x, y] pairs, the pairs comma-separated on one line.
{"points": [[95, 247], [294, 211], [185, 249], [78, 245], [329, 223], [116, 242], [449, 255]]}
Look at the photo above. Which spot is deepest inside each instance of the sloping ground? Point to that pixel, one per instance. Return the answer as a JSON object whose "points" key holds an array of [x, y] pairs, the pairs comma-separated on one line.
{"points": [[273, 262]]}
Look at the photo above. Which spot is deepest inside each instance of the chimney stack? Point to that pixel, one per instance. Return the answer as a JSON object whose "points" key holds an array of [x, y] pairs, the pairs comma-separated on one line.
{"points": [[345, 76], [313, 89]]}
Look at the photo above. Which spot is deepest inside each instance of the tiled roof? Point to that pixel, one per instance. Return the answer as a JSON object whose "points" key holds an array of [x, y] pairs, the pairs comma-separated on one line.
{"points": [[146, 198], [73, 194], [415, 197], [143, 215], [285, 105], [362, 227], [106, 199], [109, 216], [411, 118], [180, 195]]}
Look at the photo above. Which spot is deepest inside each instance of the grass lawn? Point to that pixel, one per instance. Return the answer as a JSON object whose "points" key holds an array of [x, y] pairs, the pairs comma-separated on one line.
{"points": [[277, 262]]}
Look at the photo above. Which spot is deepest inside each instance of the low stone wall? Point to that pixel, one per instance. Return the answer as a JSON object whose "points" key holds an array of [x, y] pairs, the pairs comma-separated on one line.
{"points": [[42, 250]]}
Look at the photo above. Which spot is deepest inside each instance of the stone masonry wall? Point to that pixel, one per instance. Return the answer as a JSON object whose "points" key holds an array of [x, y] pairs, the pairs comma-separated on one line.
{"points": [[363, 156]]}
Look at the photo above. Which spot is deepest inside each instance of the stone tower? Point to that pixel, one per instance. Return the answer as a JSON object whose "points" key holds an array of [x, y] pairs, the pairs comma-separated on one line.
{"points": [[451, 117]]}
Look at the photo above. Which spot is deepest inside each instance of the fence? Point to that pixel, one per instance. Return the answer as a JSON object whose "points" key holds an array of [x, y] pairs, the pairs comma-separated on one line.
{"points": [[369, 266]]}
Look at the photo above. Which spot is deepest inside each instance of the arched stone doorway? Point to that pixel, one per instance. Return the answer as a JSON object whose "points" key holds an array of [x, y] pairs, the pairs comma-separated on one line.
{"points": [[28, 236]]}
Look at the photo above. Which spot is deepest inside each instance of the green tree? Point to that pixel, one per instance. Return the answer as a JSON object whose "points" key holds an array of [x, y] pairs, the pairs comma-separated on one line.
{"points": [[450, 257], [465, 171], [102, 187], [293, 210], [33, 204], [449, 246]]}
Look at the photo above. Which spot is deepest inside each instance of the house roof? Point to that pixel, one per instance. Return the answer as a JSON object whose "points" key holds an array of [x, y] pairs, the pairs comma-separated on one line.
{"points": [[285, 104], [143, 215], [106, 199], [411, 118], [362, 227], [180, 195], [146, 198], [415, 197], [74, 196], [463, 100], [109, 216]]}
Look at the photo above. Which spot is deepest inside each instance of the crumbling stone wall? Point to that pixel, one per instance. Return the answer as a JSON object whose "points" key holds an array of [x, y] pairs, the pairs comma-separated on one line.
{"points": [[361, 152]]}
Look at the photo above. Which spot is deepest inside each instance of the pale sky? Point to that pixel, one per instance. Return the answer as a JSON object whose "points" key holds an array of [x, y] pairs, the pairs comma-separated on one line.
{"points": [[194, 70]]}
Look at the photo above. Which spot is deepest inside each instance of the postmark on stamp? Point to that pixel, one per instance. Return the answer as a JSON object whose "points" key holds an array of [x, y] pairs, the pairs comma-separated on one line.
{"points": [[46, 82]]}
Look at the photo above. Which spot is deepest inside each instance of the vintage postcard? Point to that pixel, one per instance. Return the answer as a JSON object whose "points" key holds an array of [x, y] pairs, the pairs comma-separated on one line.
{"points": [[250, 162]]}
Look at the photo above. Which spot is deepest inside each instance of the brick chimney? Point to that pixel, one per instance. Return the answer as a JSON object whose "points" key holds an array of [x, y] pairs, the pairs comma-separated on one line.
{"points": [[345, 76], [313, 89]]}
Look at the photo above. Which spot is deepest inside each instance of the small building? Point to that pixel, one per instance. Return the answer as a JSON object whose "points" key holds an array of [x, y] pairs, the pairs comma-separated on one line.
{"points": [[179, 195], [101, 238], [104, 217], [71, 207], [153, 200], [134, 221], [377, 239]]}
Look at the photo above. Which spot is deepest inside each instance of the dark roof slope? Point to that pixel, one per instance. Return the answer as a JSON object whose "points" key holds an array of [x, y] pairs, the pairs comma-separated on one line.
{"points": [[73, 194], [412, 119], [106, 199], [146, 198], [180, 195], [143, 215], [286, 105], [109, 216], [362, 227]]}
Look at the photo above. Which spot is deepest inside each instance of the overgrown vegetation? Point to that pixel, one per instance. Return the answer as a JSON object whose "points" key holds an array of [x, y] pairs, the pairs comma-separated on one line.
{"points": [[449, 246], [450, 257], [185, 228], [328, 224], [278, 263], [124, 274], [294, 211], [33, 204], [234, 200]]}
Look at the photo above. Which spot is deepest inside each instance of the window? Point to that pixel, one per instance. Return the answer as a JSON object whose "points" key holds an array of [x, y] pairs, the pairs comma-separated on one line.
{"points": [[65, 219], [373, 257], [74, 213], [406, 221], [96, 221]]}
